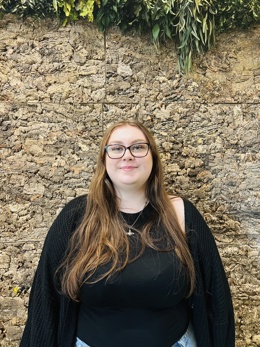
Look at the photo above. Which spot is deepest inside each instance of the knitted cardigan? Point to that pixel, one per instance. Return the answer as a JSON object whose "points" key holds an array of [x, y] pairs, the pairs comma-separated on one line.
{"points": [[52, 318]]}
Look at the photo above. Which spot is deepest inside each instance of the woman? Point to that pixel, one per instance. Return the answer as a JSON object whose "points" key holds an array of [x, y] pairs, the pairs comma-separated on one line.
{"points": [[129, 265]]}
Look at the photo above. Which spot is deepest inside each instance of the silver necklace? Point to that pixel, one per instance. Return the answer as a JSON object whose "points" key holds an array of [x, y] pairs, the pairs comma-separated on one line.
{"points": [[129, 232]]}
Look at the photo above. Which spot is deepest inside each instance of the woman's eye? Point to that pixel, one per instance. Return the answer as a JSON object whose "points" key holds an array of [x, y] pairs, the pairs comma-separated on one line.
{"points": [[138, 147], [116, 148]]}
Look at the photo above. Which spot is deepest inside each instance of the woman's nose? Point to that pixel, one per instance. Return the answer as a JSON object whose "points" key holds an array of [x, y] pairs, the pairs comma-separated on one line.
{"points": [[128, 154]]}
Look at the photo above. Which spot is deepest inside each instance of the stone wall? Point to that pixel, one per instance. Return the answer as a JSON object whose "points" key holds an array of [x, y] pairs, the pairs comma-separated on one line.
{"points": [[61, 87]]}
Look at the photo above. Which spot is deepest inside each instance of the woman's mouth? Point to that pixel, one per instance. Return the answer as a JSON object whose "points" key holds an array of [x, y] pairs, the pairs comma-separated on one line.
{"points": [[128, 168]]}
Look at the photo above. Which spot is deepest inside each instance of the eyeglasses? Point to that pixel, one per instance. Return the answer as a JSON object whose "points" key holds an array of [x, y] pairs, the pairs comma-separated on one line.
{"points": [[138, 150]]}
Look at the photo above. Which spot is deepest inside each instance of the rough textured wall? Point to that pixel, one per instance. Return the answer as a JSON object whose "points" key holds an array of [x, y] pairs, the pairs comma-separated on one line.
{"points": [[60, 87]]}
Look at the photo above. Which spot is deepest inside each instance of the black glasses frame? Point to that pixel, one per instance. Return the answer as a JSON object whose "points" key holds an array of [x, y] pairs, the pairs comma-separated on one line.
{"points": [[129, 148]]}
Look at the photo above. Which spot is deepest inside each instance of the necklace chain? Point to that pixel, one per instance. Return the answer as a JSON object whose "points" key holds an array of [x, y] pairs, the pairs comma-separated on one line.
{"points": [[129, 232]]}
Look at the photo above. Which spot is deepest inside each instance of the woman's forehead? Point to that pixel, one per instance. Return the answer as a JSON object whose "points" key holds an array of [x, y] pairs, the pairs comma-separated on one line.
{"points": [[127, 132]]}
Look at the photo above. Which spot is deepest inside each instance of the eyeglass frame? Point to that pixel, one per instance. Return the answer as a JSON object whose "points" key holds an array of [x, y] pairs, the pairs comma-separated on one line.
{"points": [[129, 148]]}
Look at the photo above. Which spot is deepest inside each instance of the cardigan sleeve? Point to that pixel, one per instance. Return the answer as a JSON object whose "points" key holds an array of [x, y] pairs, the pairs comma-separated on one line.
{"points": [[212, 293], [46, 307]]}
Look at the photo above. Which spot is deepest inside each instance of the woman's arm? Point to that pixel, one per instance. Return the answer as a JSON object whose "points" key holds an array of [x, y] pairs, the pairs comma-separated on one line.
{"points": [[43, 323], [212, 290]]}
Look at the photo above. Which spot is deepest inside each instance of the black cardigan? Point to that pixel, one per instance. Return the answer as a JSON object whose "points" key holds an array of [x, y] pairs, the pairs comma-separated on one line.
{"points": [[52, 318]]}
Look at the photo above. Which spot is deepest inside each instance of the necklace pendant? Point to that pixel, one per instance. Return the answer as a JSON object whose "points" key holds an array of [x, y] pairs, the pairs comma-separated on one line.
{"points": [[130, 233]]}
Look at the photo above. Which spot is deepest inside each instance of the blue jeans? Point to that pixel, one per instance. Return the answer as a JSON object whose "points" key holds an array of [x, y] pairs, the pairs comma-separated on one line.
{"points": [[187, 340]]}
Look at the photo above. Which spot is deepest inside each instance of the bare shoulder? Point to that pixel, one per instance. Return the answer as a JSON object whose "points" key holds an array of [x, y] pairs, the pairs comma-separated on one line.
{"points": [[178, 206]]}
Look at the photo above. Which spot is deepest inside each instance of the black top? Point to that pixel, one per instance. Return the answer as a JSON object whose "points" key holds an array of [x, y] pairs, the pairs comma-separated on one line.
{"points": [[52, 318], [143, 305]]}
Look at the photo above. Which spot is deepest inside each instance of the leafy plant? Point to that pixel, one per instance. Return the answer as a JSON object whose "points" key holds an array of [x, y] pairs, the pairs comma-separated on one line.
{"points": [[22, 8], [193, 24], [73, 9], [236, 13], [195, 30]]}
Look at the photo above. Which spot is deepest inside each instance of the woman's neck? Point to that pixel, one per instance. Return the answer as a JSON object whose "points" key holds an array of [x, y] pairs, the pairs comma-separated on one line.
{"points": [[132, 203]]}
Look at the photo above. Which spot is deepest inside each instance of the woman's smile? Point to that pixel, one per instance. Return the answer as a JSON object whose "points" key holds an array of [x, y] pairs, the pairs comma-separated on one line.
{"points": [[128, 168]]}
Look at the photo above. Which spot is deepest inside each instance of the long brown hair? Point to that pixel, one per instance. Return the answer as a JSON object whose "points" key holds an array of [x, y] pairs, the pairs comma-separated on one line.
{"points": [[100, 239]]}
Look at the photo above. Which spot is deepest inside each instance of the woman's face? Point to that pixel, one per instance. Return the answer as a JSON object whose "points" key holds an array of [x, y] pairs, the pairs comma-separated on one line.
{"points": [[128, 172]]}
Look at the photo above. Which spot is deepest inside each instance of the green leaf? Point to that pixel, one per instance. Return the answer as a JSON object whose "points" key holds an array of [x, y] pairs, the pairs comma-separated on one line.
{"points": [[168, 32], [155, 31], [106, 21], [195, 34], [137, 10], [197, 3], [55, 5]]}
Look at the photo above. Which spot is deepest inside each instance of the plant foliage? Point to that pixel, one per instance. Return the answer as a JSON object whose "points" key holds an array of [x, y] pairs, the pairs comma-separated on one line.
{"points": [[40, 8], [193, 24]]}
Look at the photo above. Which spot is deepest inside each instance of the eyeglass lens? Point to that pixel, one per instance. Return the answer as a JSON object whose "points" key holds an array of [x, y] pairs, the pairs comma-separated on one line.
{"points": [[118, 151]]}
